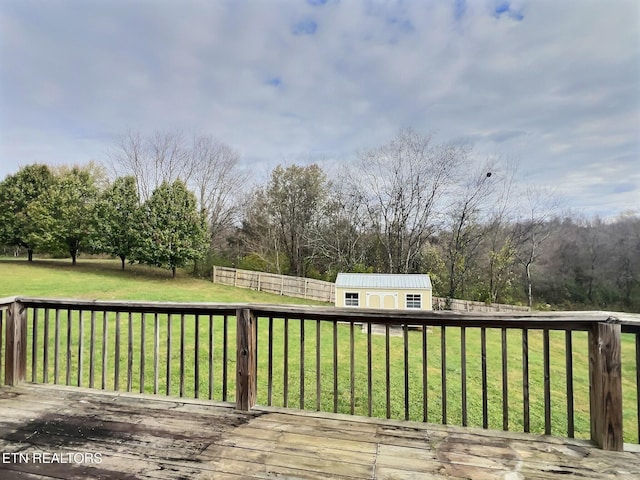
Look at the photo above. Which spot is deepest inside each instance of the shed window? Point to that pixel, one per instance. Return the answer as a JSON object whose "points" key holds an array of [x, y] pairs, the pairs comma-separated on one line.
{"points": [[414, 300], [351, 299]]}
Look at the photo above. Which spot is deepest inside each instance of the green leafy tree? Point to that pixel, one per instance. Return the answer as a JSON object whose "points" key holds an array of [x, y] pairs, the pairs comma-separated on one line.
{"points": [[63, 218], [295, 198], [116, 219], [172, 231], [17, 194]]}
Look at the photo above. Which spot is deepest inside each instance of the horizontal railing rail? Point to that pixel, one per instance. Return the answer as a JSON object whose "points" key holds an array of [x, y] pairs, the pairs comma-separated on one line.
{"points": [[560, 373]]}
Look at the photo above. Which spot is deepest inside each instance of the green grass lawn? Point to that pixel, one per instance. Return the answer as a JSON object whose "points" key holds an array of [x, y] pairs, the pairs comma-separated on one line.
{"points": [[95, 279]]}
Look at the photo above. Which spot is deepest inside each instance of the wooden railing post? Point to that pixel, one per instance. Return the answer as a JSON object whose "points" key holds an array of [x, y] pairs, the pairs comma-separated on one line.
{"points": [[605, 386], [246, 359], [15, 365]]}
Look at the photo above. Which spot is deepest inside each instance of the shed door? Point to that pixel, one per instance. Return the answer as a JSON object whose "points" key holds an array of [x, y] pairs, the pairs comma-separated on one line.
{"points": [[382, 300]]}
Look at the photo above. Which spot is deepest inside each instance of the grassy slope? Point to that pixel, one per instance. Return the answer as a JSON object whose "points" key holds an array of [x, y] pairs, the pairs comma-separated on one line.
{"points": [[104, 280]]}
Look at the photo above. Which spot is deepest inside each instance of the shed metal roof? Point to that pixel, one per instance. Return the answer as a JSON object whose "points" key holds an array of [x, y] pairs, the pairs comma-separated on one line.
{"points": [[384, 280]]}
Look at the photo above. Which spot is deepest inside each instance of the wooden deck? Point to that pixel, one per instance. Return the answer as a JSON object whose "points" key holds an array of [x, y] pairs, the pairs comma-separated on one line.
{"points": [[72, 433]]}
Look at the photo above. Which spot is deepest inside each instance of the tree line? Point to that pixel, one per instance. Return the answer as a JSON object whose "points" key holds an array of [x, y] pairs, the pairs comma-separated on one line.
{"points": [[409, 205]]}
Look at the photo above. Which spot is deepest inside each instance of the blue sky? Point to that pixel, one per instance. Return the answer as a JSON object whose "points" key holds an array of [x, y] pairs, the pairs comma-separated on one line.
{"points": [[553, 85]]}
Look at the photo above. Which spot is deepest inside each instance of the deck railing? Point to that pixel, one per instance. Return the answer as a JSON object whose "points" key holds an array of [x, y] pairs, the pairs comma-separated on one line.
{"points": [[553, 373]]}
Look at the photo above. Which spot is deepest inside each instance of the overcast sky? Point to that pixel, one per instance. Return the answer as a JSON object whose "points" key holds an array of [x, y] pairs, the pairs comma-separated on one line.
{"points": [[552, 84]]}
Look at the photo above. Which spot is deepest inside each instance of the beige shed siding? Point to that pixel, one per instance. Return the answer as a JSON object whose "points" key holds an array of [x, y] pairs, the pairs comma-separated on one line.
{"points": [[383, 297]]}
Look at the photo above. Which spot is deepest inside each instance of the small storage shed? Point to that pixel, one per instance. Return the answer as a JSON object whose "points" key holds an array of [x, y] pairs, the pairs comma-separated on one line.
{"points": [[380, 290]]}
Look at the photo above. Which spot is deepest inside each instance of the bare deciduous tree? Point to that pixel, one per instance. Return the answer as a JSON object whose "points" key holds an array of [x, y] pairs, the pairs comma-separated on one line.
{"points": [[533, 229], [465, 226], [208, 167], [217, 180], [399, 184], [159, 157]]}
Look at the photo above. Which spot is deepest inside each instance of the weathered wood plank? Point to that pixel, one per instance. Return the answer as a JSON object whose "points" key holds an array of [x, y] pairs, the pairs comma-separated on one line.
{"points": [[245, 359], [16, 344], [606, 386], [169, 438]]}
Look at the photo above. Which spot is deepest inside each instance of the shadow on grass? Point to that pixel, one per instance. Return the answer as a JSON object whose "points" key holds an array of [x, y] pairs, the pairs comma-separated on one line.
{"points": [[111, 268]]}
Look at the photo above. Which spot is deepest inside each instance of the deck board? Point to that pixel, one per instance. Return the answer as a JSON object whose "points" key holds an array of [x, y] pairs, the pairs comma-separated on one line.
{"points": [[155, 437]]}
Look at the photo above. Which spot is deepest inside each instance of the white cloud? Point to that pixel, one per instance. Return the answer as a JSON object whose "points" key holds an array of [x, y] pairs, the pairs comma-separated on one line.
{"points": [[552, 83]]}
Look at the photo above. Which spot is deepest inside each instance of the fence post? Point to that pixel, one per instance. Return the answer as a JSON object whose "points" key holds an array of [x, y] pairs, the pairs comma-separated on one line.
{"points": [[213, 275], [605, 386], [246, 359], [15, 360]]}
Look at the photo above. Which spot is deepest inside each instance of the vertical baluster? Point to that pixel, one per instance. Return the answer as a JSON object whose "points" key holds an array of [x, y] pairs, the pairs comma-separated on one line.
{"points": [[142, 350], [352, 378], [547, 382], [34, 347], [406, 370], [196, 360], [463, 373], [211, 377], [181, 355], [2, 340], [255, 356], [425, 384], [68, 372], [335, 367], [130, 352], [637, 335], [525, 379], [116, 379], [270, 365], [286, 363], [485, 385], [369, 372], [45, 367], [225, 343], [92, 350], [318, 389], [80, 346], [505, 382], [443, 370], [302, 364], [168, 372], [156, 352], [569, 369], [387, 347], [56, 350], [105, 330]]}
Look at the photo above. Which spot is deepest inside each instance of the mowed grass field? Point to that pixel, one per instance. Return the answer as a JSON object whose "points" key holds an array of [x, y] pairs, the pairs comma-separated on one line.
{"points": [[200, 360]]}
